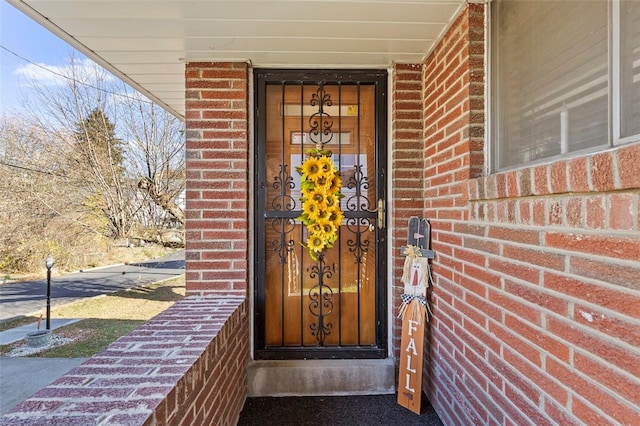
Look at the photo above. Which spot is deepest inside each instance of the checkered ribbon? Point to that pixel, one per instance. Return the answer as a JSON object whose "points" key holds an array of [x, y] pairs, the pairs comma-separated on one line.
{"points": [[406, 298]]}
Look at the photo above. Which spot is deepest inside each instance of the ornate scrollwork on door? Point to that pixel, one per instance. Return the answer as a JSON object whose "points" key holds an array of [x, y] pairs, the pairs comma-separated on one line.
{"points": [[321, 299], [321, 122], [283, 183]]}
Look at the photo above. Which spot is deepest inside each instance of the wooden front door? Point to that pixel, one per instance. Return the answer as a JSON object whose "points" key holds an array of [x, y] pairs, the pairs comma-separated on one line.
{"points": [[335, 306]]}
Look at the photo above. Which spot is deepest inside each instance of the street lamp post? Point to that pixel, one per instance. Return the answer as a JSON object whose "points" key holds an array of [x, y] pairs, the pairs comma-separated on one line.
{"points": [[49, 264]]}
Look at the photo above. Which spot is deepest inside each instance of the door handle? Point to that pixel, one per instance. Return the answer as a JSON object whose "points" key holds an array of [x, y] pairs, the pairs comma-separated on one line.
{"points": [[380, 213], [381, 217]]}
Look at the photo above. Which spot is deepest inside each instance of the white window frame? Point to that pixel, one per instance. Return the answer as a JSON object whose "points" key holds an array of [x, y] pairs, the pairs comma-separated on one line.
{"points": [[615, 99]]}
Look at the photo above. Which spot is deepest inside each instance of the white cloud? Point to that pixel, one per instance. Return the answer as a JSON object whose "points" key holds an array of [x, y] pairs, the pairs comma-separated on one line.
{"points": [[83, 70]]}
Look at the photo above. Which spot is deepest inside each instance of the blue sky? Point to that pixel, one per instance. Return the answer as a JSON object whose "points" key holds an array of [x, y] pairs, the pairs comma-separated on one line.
{"points": [[23, 36]]}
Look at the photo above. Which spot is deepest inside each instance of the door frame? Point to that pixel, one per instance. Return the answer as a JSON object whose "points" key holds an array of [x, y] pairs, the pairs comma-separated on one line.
{"points": [[379, 78]]}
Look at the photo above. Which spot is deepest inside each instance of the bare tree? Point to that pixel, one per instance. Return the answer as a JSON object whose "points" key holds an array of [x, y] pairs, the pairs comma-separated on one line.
{"points": [[90, 158], [149, 142], [40, 212], [156, 153]]}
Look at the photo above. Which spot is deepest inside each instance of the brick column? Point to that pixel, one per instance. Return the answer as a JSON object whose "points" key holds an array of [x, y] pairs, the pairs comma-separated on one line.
{"points": [[407, 172], [217, 156]]}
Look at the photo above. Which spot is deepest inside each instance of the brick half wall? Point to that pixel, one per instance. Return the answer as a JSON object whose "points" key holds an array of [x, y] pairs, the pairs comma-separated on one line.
{"points": [[186, 366]]}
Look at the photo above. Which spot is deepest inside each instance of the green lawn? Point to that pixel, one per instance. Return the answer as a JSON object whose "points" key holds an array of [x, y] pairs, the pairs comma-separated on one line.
{"points": [[104, 318]]}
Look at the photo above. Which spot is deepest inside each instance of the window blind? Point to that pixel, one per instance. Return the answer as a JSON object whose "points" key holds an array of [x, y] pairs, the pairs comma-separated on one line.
{"points": [[550, 78], [630, 68]]}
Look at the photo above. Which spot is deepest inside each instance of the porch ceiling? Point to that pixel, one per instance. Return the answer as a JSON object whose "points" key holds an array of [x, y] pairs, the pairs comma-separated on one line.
{"points": [[147, 42]]}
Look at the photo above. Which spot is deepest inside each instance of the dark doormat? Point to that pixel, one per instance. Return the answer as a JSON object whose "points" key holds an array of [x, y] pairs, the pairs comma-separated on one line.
{"points": [[334, 411]]}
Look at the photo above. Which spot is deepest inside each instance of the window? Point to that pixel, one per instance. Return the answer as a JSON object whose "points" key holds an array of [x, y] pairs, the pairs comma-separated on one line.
{"points": [[629, 68], [556, 88]]}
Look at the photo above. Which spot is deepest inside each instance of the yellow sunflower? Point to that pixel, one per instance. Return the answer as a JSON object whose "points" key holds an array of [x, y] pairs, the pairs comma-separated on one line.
{"points": [[320, 186], [330, 200], [335, 185], [336, 216], [318, 196], [326, 165], [310, 209], [316, 243], [311, 168], [328, 229]]}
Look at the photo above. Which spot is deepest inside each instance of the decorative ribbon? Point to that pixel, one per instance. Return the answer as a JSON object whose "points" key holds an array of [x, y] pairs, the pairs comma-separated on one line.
{"points": [[406, 298]]}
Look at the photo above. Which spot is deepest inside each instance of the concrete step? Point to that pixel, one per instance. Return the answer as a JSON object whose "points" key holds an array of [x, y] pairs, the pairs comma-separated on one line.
{"points": [[321, 377]]}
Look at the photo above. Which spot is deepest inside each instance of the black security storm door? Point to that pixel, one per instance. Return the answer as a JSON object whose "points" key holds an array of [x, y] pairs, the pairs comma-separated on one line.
{"points": [[333, 306]]}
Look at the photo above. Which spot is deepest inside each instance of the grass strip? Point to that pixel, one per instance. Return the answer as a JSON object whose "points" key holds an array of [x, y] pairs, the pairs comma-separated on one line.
{"points": [[104, 319]]}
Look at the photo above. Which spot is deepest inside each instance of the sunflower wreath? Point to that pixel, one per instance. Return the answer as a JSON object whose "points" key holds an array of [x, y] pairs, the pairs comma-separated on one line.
{"points": [[320, 185]]}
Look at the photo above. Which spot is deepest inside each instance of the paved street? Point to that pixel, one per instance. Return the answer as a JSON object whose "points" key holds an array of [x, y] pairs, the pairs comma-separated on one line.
{"points": [[28, 297]]}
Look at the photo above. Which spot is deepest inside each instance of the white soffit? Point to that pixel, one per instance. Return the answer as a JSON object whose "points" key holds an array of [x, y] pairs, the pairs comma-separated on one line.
{"points": [[147, 42]]}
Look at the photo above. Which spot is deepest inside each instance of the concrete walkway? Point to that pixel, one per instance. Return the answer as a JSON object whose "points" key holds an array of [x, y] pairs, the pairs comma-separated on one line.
{"points": [[22, 377], [15, 334]]}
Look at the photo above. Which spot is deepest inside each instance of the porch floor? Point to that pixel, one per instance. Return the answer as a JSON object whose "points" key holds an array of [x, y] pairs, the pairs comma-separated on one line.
{"points": [[334, 411]]}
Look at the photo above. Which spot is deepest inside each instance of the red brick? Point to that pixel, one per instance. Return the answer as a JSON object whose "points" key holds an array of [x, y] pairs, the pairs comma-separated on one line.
{"points": [[602, 171], [595, 344], [470, 361], [515, 270], [539, 213], [587, 415], [528, 408], [512, 184], [616, 247], [621, 211], [578, 175], [548, 343], [475, 410], [481, 304], [480, 334], [624, 275], [501, 186], [614, 407], [511, 305], [596, 212], [526, 183], [573, 214], [516, 235], [482, 275], [559, 177], [540, 179], [538, 297], [490, 189], [541, 258], [601, 372], [524, 212], [518, 344], [559, 414], [621, 329], [469, 313], [537, 376], [514, 416], [556, 213], [629, 166]]}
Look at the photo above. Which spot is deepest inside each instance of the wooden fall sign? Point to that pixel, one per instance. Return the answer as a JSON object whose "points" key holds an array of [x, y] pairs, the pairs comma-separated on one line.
{"points": [[416, 277], [410, 377]]}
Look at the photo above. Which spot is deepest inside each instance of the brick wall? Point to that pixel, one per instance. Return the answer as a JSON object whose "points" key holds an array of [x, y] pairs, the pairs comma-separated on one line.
{"points": [[407, 172], [187, 366], [537, 273], [217, 157]]}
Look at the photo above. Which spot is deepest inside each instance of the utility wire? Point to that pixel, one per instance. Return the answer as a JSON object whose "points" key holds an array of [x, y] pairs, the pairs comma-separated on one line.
{"points": [[73, 79], [15, 166]]}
